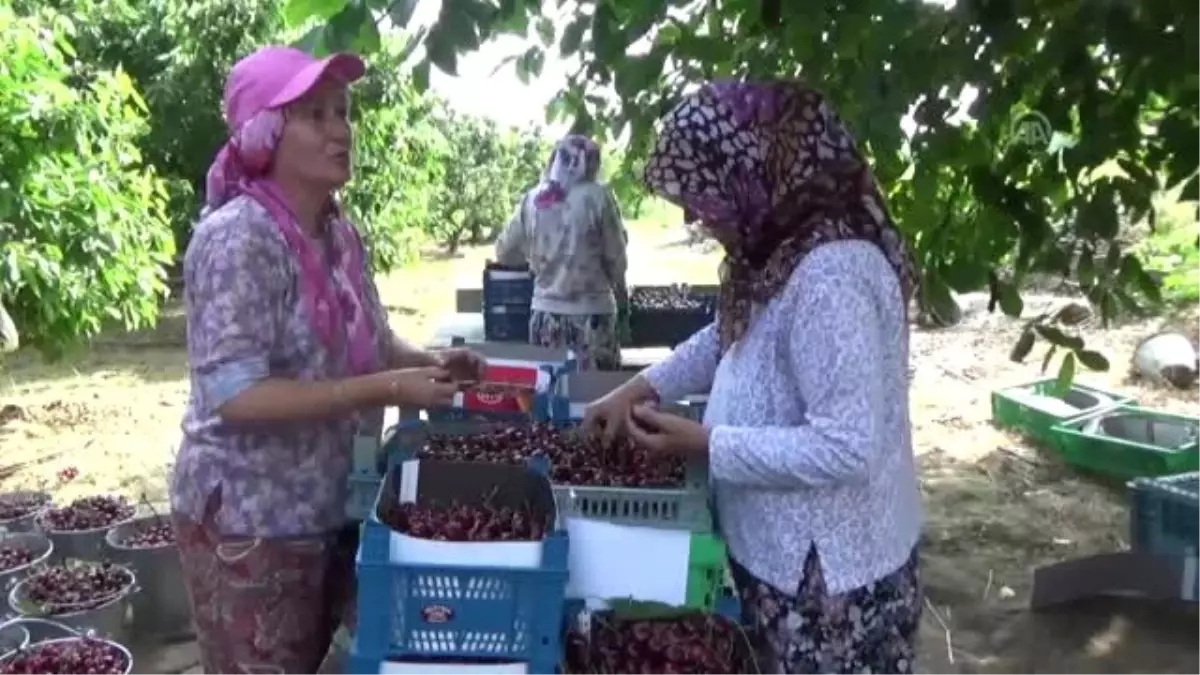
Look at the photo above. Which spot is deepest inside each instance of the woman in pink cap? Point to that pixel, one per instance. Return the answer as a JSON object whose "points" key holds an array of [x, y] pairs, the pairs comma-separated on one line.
{"points": [[287, 343]]}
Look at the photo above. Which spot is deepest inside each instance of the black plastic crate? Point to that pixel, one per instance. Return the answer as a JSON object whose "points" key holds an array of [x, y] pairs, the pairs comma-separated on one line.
{"points": [[664, 316], [506, 323], [1165, 514]]}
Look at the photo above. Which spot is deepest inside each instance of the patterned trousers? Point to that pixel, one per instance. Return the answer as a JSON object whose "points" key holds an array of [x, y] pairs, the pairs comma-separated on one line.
{"points": [[872, 629], [265, 605]]}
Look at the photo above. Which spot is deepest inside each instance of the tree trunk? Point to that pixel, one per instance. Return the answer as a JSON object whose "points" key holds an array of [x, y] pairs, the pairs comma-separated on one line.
{"points": [[10, 340]]}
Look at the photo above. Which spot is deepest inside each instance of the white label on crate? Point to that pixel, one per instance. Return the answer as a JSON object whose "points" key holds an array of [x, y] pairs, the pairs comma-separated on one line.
{"points": [[507, 554], [509, 275], [428, 668], [601, 566], [408, 480]]}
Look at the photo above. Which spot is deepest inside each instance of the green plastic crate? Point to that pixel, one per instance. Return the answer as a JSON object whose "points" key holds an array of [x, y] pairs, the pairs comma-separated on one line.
{"points": [[1131, 455], [707, 563], [1011, 410]]}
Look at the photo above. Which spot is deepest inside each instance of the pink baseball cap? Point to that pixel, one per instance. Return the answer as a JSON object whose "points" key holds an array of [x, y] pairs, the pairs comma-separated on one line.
{"points": [[276, 76]]}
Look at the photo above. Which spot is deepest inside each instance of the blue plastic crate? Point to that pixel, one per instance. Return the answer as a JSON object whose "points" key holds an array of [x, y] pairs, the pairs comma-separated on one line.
{"points": [[467, 612], [506, 323], [1165, 514]]}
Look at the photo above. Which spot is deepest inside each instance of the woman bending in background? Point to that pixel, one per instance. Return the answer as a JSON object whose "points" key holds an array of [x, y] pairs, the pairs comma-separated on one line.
{"points": [[569, 231]]}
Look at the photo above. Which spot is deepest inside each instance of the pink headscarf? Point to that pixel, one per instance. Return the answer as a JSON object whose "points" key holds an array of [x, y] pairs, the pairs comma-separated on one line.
{"points": [[258, 88]]}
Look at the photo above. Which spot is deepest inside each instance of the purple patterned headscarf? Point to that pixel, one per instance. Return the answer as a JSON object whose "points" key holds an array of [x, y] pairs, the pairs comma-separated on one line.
{"points": [[576, 159], [770, 169], [259, 88]]}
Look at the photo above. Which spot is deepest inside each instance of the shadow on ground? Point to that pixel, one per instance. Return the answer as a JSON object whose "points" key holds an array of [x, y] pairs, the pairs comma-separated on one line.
{"points": [[990, 523]]}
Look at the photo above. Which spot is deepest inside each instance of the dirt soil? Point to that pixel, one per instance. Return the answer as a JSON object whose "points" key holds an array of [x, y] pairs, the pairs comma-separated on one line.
{"points": [[996, 507]]}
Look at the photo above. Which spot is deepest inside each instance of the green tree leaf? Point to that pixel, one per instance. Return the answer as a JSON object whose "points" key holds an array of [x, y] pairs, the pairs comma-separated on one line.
{"points": [[296, 12], [313, 41], [440, 51], [1092, 360], [420, 76], [1099, 216], [529, 64], [1009, 299], [1066, 374], [1023, 346], [1191, 191], [352, 28], [1058, 338], [1049, 355], [573, 36], [401, 11], [545, 31]]}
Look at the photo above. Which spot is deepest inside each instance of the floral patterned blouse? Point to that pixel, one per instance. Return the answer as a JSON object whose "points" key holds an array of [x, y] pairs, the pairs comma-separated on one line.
{"points": [[810, 438], [575, 248], [245, 322]]}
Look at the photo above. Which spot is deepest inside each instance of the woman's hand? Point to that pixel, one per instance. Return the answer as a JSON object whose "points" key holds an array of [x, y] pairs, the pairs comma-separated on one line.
{"points": [[668, 434], [610, 413], [462, 364], [429, 387]]}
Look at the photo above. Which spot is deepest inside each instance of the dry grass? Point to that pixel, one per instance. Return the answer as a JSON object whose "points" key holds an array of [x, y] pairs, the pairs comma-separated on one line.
{"points": [[996, 507]]}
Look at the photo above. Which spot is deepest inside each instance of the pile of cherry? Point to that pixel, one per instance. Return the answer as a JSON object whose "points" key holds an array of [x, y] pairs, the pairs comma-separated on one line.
{"points": [[575, 459], [19, 505], [13, 556], [676, 298], [152, 535], [83, 655], [76, 586], [690, 643], [461, 522], [87, 513]]}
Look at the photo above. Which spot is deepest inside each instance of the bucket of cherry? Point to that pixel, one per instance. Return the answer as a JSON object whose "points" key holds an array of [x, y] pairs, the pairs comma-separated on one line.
{"points": [[21, 552], [461, 563], [87, 596], [70, 653], [147, 545], [631, 636], [19, 510], [78, 529]]}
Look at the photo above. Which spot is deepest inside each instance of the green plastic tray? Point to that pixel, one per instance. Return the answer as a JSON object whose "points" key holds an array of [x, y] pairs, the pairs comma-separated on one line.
{"points": [[707, 563], [1011, 411], [1133, 455]]}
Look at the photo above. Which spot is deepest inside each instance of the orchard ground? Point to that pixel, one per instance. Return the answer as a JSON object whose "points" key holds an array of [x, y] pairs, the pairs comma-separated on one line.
{"points": [[996, 508]]}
